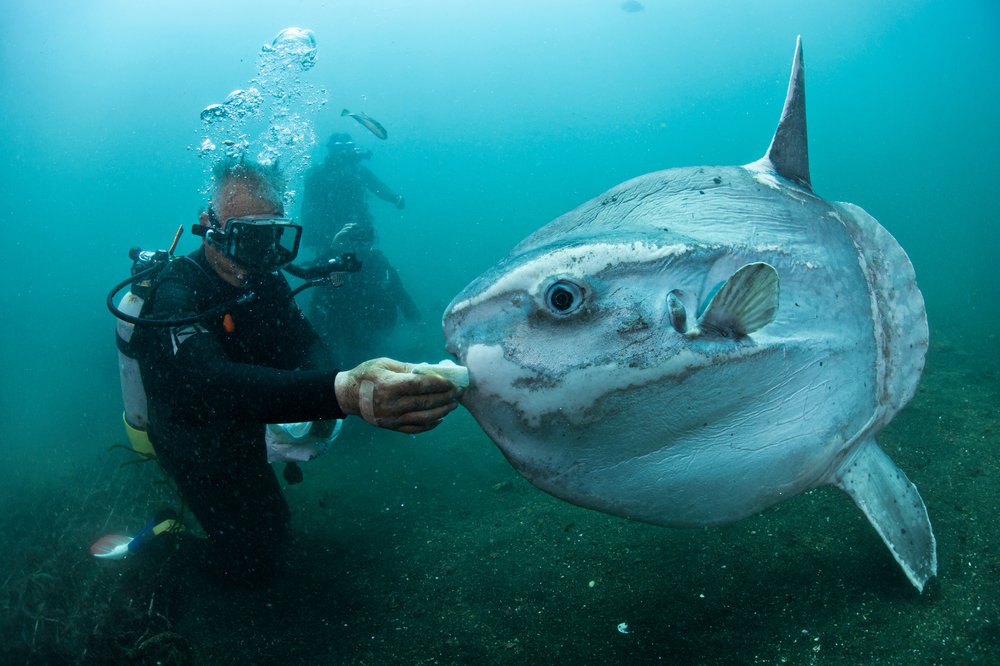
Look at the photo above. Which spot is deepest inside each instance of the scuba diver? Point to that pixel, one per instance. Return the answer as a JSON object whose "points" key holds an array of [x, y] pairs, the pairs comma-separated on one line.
{"points": [[336, 193], [372, 297], [335, 214], [223, 354]]}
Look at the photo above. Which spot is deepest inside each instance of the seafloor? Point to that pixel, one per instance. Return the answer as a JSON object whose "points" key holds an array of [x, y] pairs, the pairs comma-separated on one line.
{"points": [[433, 550]]}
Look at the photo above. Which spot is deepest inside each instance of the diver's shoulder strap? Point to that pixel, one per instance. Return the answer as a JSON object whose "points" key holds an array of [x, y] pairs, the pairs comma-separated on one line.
{"points": [[190, 269], [185, 270], [199, 270]]}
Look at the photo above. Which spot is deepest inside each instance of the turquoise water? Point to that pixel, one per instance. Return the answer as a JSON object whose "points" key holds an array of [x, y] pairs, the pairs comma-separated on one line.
{"points": [[501, 116]]}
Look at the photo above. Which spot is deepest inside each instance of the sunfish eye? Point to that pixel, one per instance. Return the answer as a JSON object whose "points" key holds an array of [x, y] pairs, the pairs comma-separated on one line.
{"points": [[563, 297]]}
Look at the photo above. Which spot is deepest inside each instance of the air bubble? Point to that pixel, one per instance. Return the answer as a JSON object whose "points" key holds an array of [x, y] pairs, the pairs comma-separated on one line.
{"points": [[213, 112], [241, 103], [272, 112], [295, 45]]}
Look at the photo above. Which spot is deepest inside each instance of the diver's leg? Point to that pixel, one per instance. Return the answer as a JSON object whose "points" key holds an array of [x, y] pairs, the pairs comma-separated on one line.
{"points": [[245, 515]]}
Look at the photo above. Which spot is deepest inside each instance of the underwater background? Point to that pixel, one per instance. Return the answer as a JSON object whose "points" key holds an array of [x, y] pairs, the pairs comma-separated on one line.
{"points": [[500, 116]]}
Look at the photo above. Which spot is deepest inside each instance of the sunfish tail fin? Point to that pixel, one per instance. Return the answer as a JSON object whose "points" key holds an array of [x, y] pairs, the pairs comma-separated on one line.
{"points": [[894, 508]]}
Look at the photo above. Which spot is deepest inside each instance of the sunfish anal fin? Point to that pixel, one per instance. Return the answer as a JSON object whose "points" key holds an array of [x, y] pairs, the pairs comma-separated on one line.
{"points": [[894, 508], [747, 302]]}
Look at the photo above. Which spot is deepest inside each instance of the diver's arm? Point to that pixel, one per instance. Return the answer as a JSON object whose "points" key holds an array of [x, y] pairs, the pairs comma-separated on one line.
{"points": [[378, 188], [239, 390], [192, 362]]}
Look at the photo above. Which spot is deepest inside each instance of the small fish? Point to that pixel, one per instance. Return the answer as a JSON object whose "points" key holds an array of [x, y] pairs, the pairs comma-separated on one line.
{"points": [[373, 126]]}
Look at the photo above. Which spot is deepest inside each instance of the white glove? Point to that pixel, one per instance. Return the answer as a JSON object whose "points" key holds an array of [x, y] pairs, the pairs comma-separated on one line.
{"points": [[457, 374]]}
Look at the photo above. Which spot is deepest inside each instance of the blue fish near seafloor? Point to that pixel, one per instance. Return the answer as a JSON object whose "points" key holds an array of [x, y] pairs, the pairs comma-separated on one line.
{"points": [[697, 344]]}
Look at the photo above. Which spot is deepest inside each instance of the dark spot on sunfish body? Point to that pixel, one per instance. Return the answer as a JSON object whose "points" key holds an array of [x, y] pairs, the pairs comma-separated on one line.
{"points": [[632, 6]]}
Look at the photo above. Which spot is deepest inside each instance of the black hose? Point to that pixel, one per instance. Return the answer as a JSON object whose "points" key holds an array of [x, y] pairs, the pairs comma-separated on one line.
{"points": [[345, 263], [313, 275], [121, 285], [184, 321], [306, 285]]}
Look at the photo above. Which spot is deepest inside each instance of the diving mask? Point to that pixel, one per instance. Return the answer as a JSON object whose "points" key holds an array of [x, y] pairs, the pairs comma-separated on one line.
{"points": [[257, 243]]}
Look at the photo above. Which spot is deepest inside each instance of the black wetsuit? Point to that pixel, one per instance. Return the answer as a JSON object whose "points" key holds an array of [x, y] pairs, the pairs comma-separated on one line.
{"points": [[335, 195], [212, 390]]}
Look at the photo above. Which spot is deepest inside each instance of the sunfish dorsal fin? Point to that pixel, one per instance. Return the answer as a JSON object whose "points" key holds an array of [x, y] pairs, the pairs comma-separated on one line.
{"points": [[747, 302], [789, 149]]}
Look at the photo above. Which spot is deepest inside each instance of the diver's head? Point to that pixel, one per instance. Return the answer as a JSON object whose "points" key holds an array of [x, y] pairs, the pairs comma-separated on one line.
{"points": [[238, 181], [244, 226], [341, 148], [340, 142]]}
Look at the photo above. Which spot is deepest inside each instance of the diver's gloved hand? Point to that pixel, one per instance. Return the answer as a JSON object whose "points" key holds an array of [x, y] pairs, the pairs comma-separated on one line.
{"points": [[388, 395]]}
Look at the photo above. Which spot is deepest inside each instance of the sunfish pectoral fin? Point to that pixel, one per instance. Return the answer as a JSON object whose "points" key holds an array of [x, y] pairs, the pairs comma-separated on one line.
{"points": [[747, 302], [894, 508]]}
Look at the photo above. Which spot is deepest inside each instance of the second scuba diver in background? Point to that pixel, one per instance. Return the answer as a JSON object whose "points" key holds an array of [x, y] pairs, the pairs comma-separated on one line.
{"points": [[336, 218]]}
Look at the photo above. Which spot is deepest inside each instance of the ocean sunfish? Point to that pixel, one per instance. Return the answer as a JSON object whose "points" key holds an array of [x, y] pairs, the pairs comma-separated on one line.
{"points": [[697, 344]]}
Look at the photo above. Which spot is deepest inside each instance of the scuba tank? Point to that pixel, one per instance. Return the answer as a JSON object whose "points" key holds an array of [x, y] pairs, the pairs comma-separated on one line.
{"points": [[145, 267], [136, 414]]}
